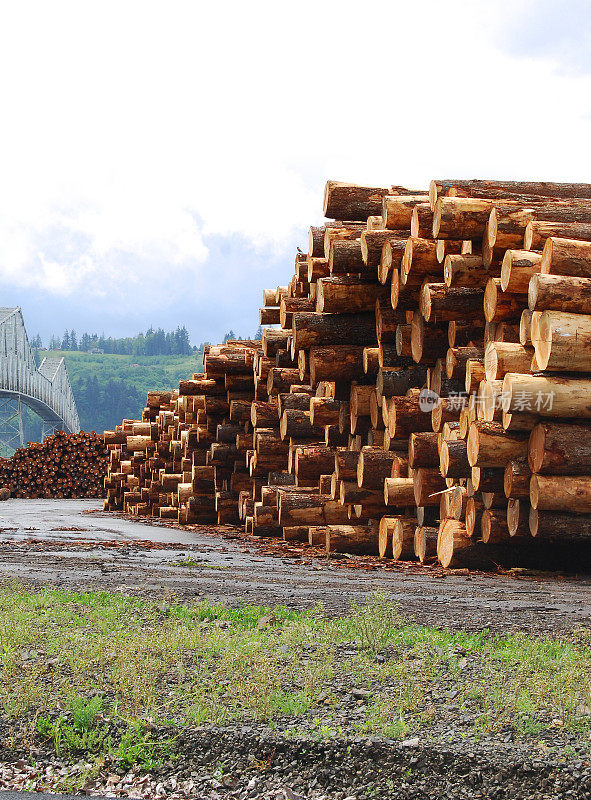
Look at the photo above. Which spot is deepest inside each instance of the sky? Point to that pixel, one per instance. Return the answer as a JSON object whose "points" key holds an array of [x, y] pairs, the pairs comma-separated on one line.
{"points": [[160, 162]]}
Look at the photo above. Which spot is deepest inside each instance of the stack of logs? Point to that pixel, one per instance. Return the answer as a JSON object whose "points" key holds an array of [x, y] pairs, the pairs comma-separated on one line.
{"points": [[425, 392], [63, 465]]}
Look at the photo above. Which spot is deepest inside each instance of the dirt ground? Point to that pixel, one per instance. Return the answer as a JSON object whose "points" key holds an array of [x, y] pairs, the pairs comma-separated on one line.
{"points": [[72, 544]]}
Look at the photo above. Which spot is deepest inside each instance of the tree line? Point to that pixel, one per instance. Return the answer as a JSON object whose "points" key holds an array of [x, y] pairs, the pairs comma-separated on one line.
{"points": [[154, 342]]}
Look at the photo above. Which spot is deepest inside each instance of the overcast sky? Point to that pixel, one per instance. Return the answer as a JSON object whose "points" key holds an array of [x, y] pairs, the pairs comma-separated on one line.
{"points": [[159, 162]]}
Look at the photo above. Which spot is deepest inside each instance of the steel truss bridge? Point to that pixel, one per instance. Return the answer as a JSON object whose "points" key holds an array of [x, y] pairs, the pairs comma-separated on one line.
{"points": [[45, 389]]}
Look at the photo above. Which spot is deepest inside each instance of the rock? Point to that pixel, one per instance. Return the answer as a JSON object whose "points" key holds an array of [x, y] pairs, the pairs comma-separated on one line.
{"points": [[414, 742], [361, 694], [291, 795]]}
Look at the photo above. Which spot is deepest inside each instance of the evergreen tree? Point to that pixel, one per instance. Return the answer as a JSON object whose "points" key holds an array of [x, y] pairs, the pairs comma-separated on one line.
{"points": [[66, 341]]}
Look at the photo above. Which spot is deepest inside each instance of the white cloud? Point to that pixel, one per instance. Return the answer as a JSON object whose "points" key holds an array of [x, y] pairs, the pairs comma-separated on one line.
{"points": [[133, 131]]}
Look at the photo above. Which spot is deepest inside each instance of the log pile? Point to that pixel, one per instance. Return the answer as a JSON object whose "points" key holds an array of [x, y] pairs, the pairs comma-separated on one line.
{"points": [[425, 391], [63, 466]]}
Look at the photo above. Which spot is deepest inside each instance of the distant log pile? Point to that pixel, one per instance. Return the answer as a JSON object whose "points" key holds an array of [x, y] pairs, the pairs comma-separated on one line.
{"points": [[63, 466], [426, 392]]}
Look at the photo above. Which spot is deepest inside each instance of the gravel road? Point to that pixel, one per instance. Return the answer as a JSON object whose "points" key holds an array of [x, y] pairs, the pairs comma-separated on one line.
{"points": [[72, 544]]}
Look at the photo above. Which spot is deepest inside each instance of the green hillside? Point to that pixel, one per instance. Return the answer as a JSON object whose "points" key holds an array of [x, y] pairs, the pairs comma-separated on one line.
{"points": [[109, 388]]}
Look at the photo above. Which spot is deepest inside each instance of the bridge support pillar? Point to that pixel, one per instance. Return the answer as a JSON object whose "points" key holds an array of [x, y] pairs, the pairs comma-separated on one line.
{"points": [[49, 429], [11, 425]]}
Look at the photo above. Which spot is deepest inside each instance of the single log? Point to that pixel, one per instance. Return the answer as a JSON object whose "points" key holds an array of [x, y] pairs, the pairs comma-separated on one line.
{"points": [[467, 270], [452, 540], [361, 539], [518, 517], [558, 449], [371, 360], [191, 387], [473, 517], [428, 343], [317, 268], [324, 410], [399, 492], [274, 340], [561, 493], [547, 396], [403, 295], [407, 415], [345, 465], [425, 543], [500, 306], [537, 231], [503, 190], [518, 268], [503, 357], [292, 305], [566, 257], [345, 257], [564, 342], [557, 526], [269, 316], [450, 302], [348, 201], [351, 494], [387, 320], [419, 260], [374, 466], [403, 341], [296, 424], [293, 400], [454, 459], [494, 526], [301, 508], [347, 294], [475, 374], [295, 533], [385, 530], [517, 478], [397, 210], [311, 329], [264, 415], [460, 217], [428, 484], [489, 445], [403, 538], [559, 293], [312, 461], [422, 450], [340, 362], [280, 379], [421, 223]]}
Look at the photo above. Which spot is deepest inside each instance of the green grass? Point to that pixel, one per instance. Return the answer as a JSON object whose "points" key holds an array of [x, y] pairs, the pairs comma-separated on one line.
{"points": [[94, 672], [152, 372]]}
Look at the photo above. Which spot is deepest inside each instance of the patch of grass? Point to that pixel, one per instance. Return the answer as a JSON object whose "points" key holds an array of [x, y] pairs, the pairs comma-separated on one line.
{"points": [[94, 672], [189, 561]]}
